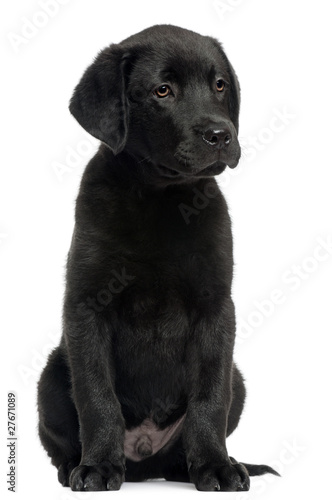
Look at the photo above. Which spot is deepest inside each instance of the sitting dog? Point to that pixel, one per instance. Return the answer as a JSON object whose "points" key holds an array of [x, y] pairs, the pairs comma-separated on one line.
{"points": [[143, 384]]}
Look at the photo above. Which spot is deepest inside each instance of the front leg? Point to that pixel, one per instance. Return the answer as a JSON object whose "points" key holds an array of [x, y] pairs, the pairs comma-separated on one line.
{"points": [[209, 366], [101, 422]]}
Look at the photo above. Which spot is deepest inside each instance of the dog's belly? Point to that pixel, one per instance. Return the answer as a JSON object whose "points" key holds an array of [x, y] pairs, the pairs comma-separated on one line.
{"points": [[147, 439]]}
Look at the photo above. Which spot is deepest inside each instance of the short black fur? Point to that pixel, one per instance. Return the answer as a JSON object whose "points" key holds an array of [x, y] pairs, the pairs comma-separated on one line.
{"points": [[148, 322]]}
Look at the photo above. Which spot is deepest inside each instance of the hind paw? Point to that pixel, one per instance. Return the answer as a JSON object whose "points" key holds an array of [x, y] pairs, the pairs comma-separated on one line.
{"points": [[64, 471]]}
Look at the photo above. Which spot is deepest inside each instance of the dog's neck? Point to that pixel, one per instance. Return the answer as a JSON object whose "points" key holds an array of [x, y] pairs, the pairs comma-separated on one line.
{"points": [[141, 174]]}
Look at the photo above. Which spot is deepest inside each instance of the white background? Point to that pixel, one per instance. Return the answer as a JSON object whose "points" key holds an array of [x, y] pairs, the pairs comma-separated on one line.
{"points": [[280, 203]]}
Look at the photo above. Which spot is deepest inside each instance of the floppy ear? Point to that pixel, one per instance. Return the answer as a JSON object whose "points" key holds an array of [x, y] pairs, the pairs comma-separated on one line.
{"points": [[234, 97], [99, 102]]}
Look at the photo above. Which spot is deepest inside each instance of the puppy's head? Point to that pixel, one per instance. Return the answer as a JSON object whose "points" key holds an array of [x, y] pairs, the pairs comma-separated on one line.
{"points": [[167, 96]]}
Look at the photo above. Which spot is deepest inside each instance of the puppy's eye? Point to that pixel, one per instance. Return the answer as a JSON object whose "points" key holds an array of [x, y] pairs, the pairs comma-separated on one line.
{"points": [[220, 85], [163, 91]]}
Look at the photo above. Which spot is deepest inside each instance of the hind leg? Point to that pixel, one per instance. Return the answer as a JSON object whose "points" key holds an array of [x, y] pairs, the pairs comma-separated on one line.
{"points": [[238, 399], [239, 394], [58, 420], [176, 468]]}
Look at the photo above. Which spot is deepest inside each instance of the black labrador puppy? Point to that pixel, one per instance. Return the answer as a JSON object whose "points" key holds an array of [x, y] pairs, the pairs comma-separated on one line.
{"points": [[143, 384]]}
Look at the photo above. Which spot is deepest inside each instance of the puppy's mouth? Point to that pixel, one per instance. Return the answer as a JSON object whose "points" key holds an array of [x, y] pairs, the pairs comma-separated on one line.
{"points": [[170, 172], [188, 166], [215, 168]]}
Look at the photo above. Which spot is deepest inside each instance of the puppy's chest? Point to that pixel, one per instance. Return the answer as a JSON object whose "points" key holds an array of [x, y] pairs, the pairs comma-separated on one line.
{"points": [[179, 270], [157, 224], [172, 290]]}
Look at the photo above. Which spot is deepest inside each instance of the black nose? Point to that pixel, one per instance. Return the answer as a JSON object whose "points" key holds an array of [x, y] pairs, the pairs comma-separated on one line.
{"points": [[219, 138]]}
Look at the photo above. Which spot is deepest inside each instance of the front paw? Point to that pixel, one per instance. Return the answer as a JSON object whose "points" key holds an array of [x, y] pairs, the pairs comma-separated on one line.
{"points": [[224, 477], [100, 477]]}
